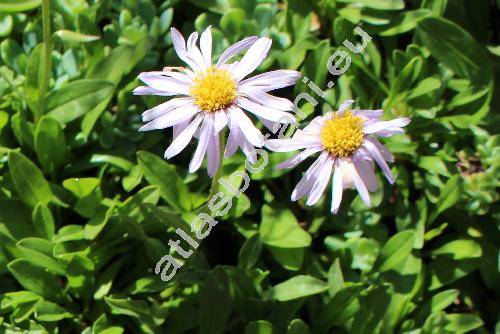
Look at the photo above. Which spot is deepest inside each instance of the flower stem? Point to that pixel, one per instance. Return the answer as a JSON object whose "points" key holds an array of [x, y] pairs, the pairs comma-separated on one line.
{"points": [[47, 43]]}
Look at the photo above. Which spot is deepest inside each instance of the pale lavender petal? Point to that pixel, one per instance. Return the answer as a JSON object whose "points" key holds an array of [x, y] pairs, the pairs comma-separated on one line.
{"points": [[377, 156], [360, 185], [307, 181], [180, 49], [365, 171], [292, 144], [220, 120], [266, 99], [233, 139], [252, 58], [297, 159], [172, 118], [253, 135], [164, 84], [271, 80], [370, 114], [194, 52], [236, 48], [183, 139], [248, 149], [213, 154], [322, 180], [203, 141], [315, 125], [345, 106], [165, 108], [178, 128], [206, 45], [386, 154], [265, 112], [337, 188], [394, 125], [146, 90]]}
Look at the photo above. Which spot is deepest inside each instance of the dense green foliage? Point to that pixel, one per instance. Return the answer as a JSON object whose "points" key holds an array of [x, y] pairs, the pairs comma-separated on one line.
{"points": [[87, 204]]}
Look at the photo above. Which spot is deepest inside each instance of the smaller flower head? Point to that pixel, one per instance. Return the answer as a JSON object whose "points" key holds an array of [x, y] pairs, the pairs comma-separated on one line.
{"points": [[348, 150]]}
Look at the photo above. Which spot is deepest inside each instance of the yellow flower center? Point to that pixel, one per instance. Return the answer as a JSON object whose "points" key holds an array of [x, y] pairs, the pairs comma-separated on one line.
{"points": [[342, 135], [213, 90]]}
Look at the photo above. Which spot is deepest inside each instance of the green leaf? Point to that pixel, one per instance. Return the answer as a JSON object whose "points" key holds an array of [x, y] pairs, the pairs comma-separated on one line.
{"points": [[13, 6], [160, 173], [259, 327], [297, 326], [28, 180], [77, 99], [50, 312], [434, 165], [50, 144], [297, 287], [459, 249], [34, 73], [81, 187], [75, 37], [43, 221], [40, 253], [450, 194], [405, 22], [279, 228], [216, 288], [35, 278], [232, 21], [456, 48], [370, 317], [377, 4], [250, 252], [342, 307], [396, 250], [289, 258]]}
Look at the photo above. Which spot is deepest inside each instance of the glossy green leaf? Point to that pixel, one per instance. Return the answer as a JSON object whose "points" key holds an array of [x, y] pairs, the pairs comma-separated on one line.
{"points": [[297, 287]]}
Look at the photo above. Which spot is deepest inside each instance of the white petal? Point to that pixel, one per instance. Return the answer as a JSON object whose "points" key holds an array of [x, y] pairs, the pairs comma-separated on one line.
{"points": [[297, 159], [315, 126], [345, 106], [203, 141], [183, 139], [337, 188], [377, 156], [265, 112], [322, 180], [271, 80], [386, 154], [164, 84], [266, 99], [235, 49], [206, 45], [392, 125], [252, 58], [194, 52], [253, 135], [172, 118], [165, 108]]}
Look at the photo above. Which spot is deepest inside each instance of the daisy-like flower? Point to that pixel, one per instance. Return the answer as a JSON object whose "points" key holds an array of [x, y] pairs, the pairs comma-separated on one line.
{"points": [[348, 148], [210, 97]]}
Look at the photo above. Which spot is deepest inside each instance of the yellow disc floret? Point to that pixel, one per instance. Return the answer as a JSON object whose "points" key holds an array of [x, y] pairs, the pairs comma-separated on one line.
{"points": [[213, 90], [342, 135]]}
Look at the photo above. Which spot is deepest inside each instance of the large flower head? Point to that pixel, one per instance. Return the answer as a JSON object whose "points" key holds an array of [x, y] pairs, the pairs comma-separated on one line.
{"points": [[346, 141], [210, 96]]}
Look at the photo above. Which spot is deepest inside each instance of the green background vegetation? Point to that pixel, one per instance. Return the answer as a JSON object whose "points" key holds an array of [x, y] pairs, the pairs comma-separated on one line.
{"points": [[87, 204]]}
